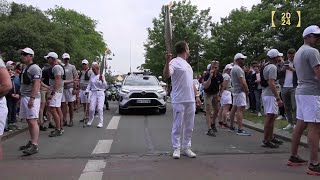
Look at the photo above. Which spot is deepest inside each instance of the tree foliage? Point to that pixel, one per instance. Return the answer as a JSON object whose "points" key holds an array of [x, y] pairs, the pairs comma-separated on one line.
{"points": [[243, 30], [60, 30]]}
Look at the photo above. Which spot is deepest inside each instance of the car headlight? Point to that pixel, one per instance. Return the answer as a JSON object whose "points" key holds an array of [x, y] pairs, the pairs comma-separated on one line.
{"points": [[160, 91], [125, 91]]}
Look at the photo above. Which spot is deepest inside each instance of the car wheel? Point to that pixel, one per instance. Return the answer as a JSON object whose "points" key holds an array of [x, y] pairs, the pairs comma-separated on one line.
{"points": [[121, 111], [163, 111]]}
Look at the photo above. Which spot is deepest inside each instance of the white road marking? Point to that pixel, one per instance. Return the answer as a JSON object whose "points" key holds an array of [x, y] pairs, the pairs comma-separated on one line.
{"points": [[103, 146], [93, 170], [113, 124]]}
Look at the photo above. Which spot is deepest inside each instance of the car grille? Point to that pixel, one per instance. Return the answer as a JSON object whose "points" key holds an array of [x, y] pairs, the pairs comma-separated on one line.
{"points": [[146, 95]]}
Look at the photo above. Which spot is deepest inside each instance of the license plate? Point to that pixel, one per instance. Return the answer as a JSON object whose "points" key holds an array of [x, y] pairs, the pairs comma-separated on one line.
{"points": [[142, 101]]}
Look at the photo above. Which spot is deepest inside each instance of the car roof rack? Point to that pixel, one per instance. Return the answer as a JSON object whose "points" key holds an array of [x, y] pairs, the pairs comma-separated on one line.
{"points": [[142, 73]]}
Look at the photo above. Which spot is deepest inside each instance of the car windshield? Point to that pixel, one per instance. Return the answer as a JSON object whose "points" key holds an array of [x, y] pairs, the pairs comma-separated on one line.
{"points": [[141, 81]]}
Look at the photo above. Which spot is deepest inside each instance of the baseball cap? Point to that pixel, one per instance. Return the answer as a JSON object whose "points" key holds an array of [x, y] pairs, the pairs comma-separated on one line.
{"points": [[209, 66], [313, 29], [272, 53], [239, 56], [52, 55], [228, 66], [28, 51], [281, 54], [94, 63], [10, 63], [85, 61], [65, 56]]}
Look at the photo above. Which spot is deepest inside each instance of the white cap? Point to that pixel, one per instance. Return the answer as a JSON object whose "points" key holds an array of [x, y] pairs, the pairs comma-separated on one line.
{"points": [[94, 63], [281, 54], [28, 50], [65, 56], [85, 61], [52, 55], [272, 53], [313, 29], [10, 63], [228, 66], [239, 56], [209, 66]]}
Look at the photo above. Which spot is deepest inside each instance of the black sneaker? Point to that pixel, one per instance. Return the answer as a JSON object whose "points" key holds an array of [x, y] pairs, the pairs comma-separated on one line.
{"points": [[314, 169], [211, 133], [65, 123], [55, 133], [232, 129], [269, 144], [213, 127], [276, 141], [32, 149], [42, 128], [296, 161], [25, 146], [220, 123], [51, 126]]}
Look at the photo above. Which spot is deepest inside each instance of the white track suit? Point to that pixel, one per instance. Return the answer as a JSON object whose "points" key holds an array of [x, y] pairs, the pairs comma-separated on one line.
{"points": [[183, 103], [97, 96]]}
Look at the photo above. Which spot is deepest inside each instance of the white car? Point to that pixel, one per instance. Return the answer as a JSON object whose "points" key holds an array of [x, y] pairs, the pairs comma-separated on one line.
{"points": [[140, 90]]}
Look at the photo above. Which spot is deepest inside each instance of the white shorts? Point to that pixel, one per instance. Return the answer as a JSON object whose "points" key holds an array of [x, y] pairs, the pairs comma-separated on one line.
{"points": [[239, 99], [226, 98], [270, 105], [4, 114], [25, 112], [308, 108], [67, 95], [56, 100], [83, 97]]}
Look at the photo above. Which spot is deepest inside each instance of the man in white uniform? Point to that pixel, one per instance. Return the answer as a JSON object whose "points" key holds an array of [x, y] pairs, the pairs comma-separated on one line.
{"points": [[307, 64], [240, 94], [97, 85], [6, 85], [183, 99], [69, 91], [84, 77], [56, 85], [271, 97], [30, 99]]}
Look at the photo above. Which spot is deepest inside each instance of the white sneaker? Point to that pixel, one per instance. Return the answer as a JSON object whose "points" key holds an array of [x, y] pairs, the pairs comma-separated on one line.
{"points": [[176, 154], [259, 114], [289, 127], [280, 117], [100, 125], [89, 123], [189, 153]]}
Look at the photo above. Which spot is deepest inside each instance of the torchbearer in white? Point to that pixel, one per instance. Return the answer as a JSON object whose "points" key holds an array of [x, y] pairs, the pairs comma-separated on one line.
{"points": [[97, 85]]}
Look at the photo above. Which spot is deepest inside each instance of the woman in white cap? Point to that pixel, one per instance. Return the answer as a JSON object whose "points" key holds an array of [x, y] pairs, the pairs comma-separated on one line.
{"points": [[225, 94], [97, 85], [84, 78]]}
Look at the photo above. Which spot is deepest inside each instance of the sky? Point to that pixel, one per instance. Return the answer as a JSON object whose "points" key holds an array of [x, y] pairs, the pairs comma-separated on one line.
{"points": [[124, 22]]}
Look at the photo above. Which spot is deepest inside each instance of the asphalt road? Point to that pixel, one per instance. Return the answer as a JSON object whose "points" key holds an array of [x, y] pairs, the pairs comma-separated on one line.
{"points": [[138, 146]]}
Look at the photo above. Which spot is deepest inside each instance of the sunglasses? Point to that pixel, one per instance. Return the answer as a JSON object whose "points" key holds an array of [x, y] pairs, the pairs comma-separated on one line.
{"points": [[25, 54], [84, 64], [215, 62], [10, 69], [66, 59]]}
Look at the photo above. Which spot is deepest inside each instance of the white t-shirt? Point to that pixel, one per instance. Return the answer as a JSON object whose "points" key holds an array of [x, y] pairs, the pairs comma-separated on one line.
{"points": [[182, 81], [288, 81]]}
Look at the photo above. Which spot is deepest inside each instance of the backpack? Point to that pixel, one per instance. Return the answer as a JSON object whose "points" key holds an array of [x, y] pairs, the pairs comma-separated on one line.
{"points": [[25, 79], [51, 75], [86, 76]]}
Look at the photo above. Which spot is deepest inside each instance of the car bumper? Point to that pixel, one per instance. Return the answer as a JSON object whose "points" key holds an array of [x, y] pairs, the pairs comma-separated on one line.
{"points": [[133, 104]]}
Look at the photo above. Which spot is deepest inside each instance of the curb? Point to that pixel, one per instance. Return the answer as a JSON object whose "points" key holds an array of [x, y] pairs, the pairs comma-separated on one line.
{"points": [[8, 135], [285, 135]]}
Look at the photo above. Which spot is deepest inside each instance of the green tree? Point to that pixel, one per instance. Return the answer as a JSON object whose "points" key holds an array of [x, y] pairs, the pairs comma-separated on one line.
{"points": [[188, 24]]}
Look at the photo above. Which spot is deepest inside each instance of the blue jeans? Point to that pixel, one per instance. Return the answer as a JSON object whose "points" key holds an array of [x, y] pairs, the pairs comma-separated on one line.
{"points": [[257, 94], [12, 111]]}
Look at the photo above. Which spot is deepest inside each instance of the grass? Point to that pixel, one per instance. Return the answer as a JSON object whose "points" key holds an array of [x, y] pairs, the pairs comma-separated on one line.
{"points": [[279, 124]]}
